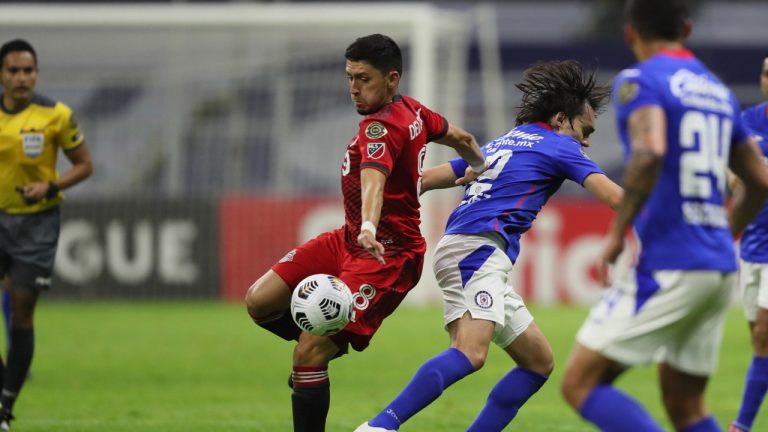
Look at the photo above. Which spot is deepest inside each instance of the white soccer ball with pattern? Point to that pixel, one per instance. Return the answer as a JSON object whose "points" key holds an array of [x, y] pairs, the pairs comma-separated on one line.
{"points": [[321, 304]]}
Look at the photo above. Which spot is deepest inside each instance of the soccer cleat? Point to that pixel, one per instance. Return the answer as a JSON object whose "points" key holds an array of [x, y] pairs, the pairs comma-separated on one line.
{"points": [[734, 427], [5, 420], [366, 428]]}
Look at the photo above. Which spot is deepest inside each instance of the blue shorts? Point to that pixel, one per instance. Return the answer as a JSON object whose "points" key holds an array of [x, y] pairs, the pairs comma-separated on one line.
{"points": [[28, 248]]}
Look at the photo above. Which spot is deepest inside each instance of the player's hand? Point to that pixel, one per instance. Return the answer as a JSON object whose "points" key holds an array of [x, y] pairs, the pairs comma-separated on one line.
{"points": [[469, 176], [33, 192], [611, 251], [369, 243]]}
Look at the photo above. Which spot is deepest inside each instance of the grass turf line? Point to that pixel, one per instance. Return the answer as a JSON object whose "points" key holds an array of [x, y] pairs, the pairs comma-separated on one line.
{"points": [[203, 366]]}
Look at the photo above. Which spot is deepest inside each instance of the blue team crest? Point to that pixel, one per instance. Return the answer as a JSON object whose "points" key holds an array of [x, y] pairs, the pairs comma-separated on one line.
{"points": [[376, 150], [628, 91], [484, 299], [32, 144]]}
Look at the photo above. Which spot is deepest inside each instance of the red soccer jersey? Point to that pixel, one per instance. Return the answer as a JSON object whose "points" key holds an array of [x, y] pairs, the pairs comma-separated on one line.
{"points": [[392, 140]]}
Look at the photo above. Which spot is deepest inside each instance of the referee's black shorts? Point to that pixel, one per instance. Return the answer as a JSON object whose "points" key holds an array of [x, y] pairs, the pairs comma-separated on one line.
{"points": [[28, 248]]}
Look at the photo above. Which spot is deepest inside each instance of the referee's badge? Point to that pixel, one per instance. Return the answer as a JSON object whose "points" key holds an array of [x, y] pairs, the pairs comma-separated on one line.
{"points": [[32, 144]]}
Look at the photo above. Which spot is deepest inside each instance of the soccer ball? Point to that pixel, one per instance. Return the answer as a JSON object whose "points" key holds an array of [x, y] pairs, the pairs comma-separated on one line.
{"points": [[321, 304]]}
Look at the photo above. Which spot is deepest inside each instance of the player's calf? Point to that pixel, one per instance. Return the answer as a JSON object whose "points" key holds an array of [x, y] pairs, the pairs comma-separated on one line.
{"points": [[282, 326]]}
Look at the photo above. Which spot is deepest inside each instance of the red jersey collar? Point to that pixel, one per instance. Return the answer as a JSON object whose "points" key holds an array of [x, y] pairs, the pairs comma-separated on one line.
{"points": [[681, 53], [544, 125]]}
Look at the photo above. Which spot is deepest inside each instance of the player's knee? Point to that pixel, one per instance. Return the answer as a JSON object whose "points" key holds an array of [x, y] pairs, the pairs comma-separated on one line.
{"points": [[573, 389], [683, 410], [760, 338], [545, 365], [541, 362], [22, 322], [257, 309], [22, 315], [262, 316], [475, 355]]}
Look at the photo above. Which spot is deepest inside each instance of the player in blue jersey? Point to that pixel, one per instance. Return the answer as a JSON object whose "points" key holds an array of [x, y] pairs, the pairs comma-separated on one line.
{"points": [[753, 276], [482, 241], [681, 130]]}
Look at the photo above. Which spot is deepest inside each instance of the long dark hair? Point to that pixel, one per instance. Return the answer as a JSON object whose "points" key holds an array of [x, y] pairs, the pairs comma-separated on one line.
{"points": [[558, 86]]}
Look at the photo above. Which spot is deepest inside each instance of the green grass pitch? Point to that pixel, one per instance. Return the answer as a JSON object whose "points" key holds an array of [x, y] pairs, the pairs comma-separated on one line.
{"points": [[112, 367]]}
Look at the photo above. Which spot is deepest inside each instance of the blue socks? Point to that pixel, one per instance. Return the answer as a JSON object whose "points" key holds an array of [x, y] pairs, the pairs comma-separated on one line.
{"points": [[427, 384], [754, 391], [612, 410], [506, 398]]}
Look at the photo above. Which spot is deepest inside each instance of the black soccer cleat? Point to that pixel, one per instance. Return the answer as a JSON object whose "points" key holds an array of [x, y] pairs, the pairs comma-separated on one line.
{"points": [[5, 420]]}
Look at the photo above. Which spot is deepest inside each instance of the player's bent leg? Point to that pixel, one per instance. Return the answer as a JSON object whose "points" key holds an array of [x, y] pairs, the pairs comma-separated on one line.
{"points": [[756, 381], [533, 355], [586, 369], [268, 302], [759, 333], [586, 387], [314, 351], [267, 297], [22, 346], [472, 337], [683, 397], [532, 351], [438, 373], [311, 395]]}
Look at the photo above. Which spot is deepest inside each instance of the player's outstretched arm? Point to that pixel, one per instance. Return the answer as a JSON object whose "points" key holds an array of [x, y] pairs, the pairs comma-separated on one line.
{"points": [[750, 192], [465, 145], [439, 177], [604, 189]]}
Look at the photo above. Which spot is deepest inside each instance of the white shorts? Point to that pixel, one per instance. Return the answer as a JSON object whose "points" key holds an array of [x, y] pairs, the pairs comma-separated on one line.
{"points": [[680, 323], [472, 272], [753, 283]]}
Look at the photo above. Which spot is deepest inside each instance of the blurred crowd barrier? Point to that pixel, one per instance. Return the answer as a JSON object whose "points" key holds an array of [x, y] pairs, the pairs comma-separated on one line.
{"points": [[217, 130]]}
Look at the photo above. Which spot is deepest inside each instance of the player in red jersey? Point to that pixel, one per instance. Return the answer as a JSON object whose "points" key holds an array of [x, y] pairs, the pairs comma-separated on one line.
{"points": [[379, 251]]}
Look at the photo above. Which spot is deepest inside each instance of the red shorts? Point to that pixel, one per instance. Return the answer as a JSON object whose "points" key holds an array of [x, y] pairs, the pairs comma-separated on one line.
{"points": [[377, 289]]}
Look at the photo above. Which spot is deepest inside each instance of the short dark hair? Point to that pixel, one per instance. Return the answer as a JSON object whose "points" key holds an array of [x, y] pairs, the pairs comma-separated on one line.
{"points": [[16, 45], [558, 86], [378, 50], [658, 19]]}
